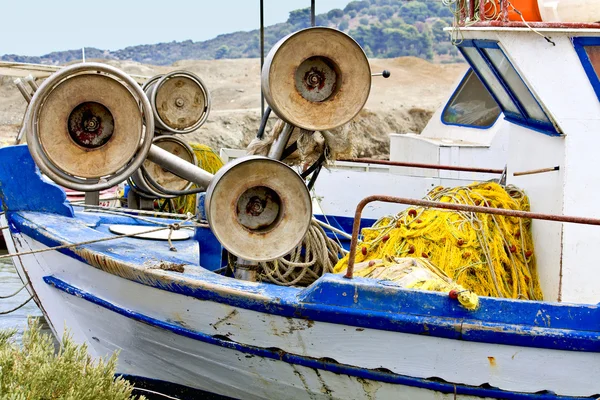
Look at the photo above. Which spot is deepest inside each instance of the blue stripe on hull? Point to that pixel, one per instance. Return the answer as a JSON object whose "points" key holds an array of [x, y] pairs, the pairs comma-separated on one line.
{"points": [[380, 376]]}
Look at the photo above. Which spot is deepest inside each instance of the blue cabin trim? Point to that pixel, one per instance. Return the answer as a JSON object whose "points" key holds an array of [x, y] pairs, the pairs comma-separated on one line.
{"points": [[309, 362], [580, 43], [522, 117], [459, 87]]}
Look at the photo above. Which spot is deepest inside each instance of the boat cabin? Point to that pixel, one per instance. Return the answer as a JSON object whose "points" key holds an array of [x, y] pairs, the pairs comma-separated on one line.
{"points": [[529, 104]]}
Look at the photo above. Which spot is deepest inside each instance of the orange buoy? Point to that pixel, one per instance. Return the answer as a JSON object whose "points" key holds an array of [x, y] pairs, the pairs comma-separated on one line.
{"points": [[528, 8]]}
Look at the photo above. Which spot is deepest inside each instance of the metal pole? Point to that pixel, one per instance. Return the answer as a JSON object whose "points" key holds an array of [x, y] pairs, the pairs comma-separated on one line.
{"points": [[312, 12], [262, 54], [279, 144], [179, 166], [23, 90], [424, 166]]}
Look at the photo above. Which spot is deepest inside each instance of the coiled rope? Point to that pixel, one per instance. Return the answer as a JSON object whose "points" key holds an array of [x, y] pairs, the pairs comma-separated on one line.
{"points": [[314, 257]]}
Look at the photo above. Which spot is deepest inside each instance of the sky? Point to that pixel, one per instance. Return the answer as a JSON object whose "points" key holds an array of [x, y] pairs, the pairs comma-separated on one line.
{"points": [[38, 27]]}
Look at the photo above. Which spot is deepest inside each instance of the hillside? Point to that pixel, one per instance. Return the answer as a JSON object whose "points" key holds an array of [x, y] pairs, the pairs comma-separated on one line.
{"points": [[384, 28]]}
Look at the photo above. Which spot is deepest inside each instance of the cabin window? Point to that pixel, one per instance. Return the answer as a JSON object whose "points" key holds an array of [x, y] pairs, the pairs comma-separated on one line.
{"points": [[588, 50], [506, 86], [471, 105]]}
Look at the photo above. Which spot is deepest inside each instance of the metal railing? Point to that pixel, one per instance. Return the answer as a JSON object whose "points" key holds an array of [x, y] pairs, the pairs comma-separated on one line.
{"points": [[454, 207]]}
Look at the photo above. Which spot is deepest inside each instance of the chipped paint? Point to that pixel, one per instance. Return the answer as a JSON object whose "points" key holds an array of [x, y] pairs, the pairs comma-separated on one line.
{"points": [[232, 314]]}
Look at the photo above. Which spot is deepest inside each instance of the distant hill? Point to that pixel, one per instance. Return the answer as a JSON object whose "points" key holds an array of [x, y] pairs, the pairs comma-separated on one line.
{"points": [[384, 28]]}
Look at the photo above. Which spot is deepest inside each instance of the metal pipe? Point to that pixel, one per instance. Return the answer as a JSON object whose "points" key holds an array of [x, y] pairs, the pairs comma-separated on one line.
{"points": [[312, 12], [454, 207], [537, 171], [333, 229], [424, 166], [279, 144], [23, 90], [471, 10], [537, 25], [31, 82], [262, 54], [179, 166]]}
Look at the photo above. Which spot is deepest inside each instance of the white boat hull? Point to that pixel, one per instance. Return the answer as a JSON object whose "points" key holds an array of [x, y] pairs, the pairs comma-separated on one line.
{"points": [[230, 350]]}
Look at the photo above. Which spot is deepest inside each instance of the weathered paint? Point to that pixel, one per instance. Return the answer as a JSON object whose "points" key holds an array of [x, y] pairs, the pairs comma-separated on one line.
{"points": [[324, 364], [16, 168]]}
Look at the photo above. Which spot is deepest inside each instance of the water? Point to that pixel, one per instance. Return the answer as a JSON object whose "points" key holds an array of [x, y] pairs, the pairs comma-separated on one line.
{"points": [[10, 283]]}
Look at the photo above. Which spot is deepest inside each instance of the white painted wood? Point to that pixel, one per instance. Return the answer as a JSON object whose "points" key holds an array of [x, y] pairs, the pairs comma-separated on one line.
{"points": [[506, 367], [159, 354]]}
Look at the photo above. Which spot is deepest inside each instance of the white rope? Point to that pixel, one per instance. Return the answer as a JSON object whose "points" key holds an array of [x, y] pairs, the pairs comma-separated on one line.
{"points": [[130, 210]]}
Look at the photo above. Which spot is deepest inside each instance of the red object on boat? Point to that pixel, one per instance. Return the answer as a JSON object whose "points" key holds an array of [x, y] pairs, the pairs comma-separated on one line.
{"points": [[528, 8]]}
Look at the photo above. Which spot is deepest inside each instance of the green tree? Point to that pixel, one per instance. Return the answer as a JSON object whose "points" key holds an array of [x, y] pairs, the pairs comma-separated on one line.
{"points": [[335, 13], [414, 11], [356, 6], [300, 18], [222, 52], [343, 25], [364, 21], [438, 31]]}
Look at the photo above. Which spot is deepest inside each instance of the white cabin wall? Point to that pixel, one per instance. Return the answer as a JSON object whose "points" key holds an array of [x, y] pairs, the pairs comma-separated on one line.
{"points": [[582, 194], [532, 150], [556, 75], [412, 147]]}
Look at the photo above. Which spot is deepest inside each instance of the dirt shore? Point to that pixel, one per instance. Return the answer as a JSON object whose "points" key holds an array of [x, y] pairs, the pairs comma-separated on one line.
{"points": [[402, 103]]}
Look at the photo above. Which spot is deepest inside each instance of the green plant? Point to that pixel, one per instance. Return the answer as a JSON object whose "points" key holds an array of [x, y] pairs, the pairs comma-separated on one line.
{"points": [[35, 371]]}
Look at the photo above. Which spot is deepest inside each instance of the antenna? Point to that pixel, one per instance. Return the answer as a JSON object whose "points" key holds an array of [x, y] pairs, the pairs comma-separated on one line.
{"points": [[83, 54]]}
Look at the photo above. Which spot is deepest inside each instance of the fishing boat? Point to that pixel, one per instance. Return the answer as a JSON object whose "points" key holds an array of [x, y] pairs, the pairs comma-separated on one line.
{"points": [[156, 291]]}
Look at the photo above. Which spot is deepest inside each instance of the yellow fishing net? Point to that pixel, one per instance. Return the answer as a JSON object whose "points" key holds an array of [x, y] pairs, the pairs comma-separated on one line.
{"points": [[209, 161], [488, 254]]}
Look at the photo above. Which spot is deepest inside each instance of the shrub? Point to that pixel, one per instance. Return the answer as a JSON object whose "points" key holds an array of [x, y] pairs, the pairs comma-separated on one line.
{"points": [[35, 371]]}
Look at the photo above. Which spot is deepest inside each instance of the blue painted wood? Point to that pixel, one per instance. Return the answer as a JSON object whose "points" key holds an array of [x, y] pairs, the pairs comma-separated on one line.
{"points": [[369, 303], [309, 362], [16, 169], [130, 250], [580, 43]]}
